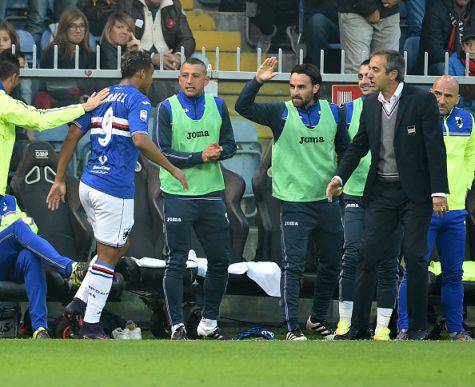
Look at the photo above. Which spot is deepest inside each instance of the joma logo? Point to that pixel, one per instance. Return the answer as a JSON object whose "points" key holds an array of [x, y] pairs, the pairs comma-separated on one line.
{"points": [[201, 133]]}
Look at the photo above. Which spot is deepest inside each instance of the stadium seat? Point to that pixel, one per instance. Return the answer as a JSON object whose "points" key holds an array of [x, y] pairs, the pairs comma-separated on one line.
{"points": [[67, 228], [411, 45], [56, 137], [248, 153], [26, 44]]}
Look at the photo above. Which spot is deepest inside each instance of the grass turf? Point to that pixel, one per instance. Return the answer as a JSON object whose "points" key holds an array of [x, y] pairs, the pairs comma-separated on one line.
{"points": [[250, 363]]}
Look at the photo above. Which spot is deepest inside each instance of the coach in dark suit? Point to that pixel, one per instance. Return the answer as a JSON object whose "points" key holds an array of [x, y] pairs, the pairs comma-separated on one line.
{"points": [[407, 179]]}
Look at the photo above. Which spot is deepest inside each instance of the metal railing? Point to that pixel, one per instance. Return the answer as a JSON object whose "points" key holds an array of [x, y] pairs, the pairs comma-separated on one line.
{"points": [[216, 73]]}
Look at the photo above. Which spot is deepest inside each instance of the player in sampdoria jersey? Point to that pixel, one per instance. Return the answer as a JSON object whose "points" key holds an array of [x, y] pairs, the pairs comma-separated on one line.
{"points": [[118, 133]]}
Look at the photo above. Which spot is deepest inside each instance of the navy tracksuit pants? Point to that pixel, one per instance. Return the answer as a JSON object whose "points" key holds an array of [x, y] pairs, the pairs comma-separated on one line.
{"points": [[208, 218], [298, 221]]}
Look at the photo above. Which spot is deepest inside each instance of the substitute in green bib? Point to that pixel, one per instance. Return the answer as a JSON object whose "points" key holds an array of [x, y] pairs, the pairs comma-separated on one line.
{"points": [[308, 136], [194, 132]]}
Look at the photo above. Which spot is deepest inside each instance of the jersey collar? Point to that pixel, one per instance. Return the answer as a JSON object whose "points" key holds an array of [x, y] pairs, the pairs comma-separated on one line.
{"points": [[1, 86]]}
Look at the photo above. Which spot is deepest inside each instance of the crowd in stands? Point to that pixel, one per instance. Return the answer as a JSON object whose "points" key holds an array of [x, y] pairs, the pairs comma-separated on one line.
{"points": [[161, 26]]}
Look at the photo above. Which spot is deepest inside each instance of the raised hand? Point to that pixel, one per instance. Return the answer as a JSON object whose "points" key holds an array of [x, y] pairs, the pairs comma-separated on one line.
{"points": [[266, 70]]}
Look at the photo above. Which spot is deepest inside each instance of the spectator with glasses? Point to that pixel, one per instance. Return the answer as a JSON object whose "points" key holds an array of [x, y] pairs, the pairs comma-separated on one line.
{"points": [[73, 30]]}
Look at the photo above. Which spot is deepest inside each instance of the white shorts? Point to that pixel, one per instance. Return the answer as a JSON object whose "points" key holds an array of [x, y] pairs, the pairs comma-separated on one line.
{"points": [[111, 217]]}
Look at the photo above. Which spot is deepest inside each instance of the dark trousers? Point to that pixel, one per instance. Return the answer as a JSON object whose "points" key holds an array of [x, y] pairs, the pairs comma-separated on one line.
{"points": [[208, 217], [387, 207], [353, 223], [298, 221]]}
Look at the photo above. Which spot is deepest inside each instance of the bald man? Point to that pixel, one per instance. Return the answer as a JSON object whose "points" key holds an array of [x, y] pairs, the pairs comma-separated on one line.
{"points": [[448, 231]]}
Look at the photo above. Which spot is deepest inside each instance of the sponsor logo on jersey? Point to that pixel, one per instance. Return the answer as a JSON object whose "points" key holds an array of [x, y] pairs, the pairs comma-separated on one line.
{"points": [[103, 159], [171, 219], [201, 133], [143, 115], [306, 140]]}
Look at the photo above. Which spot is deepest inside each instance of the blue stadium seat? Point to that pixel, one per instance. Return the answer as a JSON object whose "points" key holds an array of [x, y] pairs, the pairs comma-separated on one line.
{"points": [[411, 45], [17, 4], [26, 44], [248, 154]]}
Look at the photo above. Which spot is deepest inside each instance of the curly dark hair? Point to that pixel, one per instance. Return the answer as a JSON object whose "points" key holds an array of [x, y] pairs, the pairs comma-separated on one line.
{"points": [[133, 61]]}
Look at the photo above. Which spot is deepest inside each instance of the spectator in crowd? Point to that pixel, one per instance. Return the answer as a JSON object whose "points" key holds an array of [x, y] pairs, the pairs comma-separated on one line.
{"points": [[321, 27], [266, 20], [8, 38], [457, 66], [415, 16], [119, 31], [97, 13], [161, 26], [373, 26], [37, 12], [3, 6], [443, 30], [457, 60], [73, 30]]}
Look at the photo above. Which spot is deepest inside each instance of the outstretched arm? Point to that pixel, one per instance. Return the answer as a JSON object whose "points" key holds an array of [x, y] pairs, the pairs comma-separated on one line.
{"points": [[151, 151], [28, 117]]}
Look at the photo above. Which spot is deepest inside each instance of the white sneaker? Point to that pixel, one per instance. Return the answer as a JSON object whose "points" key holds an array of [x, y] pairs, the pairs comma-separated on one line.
{"points": [[208, 332], [295, 336], [131, 332]]}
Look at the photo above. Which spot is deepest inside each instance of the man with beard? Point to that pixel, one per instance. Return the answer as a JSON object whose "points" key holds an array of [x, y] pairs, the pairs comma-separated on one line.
{"points": [[308, 135]]}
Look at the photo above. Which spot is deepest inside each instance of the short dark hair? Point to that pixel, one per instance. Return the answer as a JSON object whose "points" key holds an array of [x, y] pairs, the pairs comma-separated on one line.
{"points": [[309, 69], [133, 61], [365, 63], [195, 61], [394, 61], [9, 65]]}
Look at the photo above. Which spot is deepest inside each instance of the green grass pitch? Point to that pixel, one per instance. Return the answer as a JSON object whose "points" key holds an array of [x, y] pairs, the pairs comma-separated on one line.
{"points": [[243, 364]]}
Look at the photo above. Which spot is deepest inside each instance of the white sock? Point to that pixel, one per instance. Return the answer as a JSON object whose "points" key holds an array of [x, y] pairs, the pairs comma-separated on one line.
{"points": [[175, 327], [383, 317], [100, 283], [208, 324], [345, 309], [82, 292]]}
